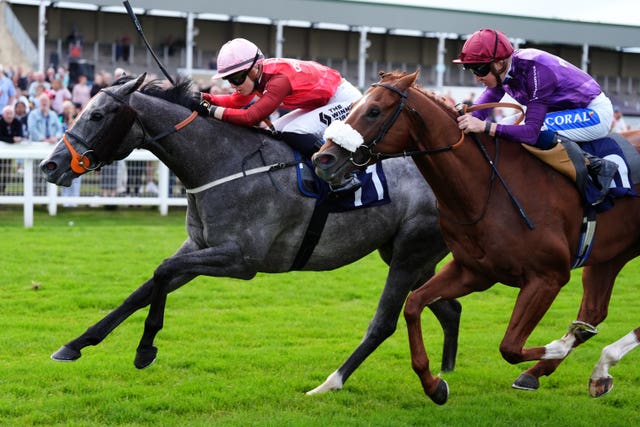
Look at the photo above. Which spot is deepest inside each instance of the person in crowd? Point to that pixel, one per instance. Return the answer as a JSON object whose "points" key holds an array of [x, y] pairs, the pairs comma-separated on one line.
{"points": [[60, 95], [548, 86], [11, 129], [101, 80], [68, 115], [43, 122], [618, 124], [21, 109], [39, 79], [20, 79], [81, 92], [10, 133], [7, 90]]}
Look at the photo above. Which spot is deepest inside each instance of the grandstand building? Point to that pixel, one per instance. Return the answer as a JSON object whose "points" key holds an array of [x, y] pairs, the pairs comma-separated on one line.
{"points": [[358, 38]]}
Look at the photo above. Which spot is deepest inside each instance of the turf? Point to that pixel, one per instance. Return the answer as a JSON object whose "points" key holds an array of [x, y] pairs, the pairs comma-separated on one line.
{"points": [[242, 353]]}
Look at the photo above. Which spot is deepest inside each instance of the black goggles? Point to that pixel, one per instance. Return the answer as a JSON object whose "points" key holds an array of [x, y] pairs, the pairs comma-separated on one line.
{"points": [[239, 77], [479, 70]]}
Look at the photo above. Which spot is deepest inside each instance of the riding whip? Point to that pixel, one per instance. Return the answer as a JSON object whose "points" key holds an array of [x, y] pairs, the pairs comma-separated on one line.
{"points": [[134, 18]]}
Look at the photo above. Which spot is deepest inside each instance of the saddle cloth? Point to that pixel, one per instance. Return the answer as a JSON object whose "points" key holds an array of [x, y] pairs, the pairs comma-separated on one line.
{"points": [[617, 149], [373, 192], [613, 148]]}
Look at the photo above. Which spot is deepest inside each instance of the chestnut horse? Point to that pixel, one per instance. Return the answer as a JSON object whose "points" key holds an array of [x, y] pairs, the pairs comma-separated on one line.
{"points": [[506, 217]]}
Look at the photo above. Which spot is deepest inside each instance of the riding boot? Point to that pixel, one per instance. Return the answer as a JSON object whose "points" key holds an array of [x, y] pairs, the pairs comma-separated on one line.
{"points": [[307, 144], [600, 170], [304, 143]]}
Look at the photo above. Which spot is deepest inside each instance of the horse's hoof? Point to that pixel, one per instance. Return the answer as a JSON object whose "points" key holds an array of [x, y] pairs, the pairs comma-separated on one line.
{"points": [[145, 357], [526, 382], [66, 354], [440, 396], [600, 387]]}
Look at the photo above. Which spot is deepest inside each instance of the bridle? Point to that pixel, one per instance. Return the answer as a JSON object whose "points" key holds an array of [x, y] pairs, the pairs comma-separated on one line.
{"points": [[87, 160], [364, 153]]}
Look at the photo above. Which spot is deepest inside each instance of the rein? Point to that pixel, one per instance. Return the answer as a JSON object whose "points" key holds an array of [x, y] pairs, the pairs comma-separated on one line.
{"points": [[261, 169], [366, 149], [494, 169], [82, 163]]}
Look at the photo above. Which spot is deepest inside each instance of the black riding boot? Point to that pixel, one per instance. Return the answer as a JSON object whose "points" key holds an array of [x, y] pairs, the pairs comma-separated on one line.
{"points": [[307, 144], [304, 143], [601, 171]]}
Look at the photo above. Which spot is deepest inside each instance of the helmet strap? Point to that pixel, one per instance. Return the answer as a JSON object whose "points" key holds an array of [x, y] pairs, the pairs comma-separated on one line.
{"points": [[498, 73]]}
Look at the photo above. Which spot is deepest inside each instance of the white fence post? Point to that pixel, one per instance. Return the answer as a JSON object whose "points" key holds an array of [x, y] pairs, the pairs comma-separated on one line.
{"points": [[31, 153]]}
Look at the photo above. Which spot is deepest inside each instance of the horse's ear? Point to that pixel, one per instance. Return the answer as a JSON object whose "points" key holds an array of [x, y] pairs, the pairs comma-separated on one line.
{"points": [[133, 85], [409, 79]]}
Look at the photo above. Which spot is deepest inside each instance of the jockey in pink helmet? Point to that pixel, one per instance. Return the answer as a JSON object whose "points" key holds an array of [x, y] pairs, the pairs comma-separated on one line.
{"points": [[550, 87], [313, 94], [237, 56]]}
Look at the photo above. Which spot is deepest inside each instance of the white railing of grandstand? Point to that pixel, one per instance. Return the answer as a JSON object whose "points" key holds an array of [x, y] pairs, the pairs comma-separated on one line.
{"points": [[31, 153]]}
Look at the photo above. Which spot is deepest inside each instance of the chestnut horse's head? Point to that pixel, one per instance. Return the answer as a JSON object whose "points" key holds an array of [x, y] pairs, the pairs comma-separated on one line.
{"points": [[373, 127]]}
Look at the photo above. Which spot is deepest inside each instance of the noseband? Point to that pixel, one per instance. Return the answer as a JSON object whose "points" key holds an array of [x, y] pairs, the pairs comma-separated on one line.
{"points": [[87, 161]]}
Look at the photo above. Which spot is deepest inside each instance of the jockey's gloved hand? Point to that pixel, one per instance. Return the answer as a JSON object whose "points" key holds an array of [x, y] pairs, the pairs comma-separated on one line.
{"points": [[202, 106]]}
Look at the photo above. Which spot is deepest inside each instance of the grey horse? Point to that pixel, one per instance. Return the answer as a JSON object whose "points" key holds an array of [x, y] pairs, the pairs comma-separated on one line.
{"points": [[245, 216]]}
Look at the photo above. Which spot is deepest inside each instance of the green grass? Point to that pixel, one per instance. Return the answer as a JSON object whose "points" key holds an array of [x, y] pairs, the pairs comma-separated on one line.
{"points": [[242, 353]]}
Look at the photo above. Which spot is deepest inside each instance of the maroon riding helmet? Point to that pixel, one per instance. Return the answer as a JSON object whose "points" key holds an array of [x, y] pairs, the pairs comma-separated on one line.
{"points": [[482, 49]]}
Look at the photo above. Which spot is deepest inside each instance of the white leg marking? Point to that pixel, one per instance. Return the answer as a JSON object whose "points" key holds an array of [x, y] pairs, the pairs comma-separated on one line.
{"points": [[559, 349], [333, 382], [612, 354]]}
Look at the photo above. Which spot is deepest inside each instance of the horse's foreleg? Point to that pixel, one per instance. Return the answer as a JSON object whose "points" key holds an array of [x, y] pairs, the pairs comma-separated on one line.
{"points": [[601, 382], [98, 332], [384, 324], [223, 260], [446, 285]]}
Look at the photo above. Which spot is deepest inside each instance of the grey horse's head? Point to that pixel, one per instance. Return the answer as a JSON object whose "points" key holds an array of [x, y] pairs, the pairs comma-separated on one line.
{"points": [[98, 135]]}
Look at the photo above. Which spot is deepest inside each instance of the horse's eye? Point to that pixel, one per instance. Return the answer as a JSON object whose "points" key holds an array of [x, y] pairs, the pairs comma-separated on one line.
{"points": [[96, 116], [373, 112]]}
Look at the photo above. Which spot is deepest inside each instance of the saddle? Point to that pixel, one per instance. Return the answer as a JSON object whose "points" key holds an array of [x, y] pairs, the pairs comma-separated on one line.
{"points": [[567, 158]]}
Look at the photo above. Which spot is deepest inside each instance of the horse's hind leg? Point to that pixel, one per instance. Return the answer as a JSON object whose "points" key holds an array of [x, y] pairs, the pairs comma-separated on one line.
{"points": [[600, 382], [448, 314], [597, 282]]}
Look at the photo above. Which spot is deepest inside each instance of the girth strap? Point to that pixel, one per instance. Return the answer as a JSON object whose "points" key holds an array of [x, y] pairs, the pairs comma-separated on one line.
{"points": [[312, 235]]}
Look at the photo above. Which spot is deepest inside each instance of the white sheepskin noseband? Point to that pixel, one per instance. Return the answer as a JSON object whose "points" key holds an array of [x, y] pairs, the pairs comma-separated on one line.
{"points": [[343, 135]]}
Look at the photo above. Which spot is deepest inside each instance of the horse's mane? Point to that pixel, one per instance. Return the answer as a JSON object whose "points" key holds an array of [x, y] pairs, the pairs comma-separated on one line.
{"points": [[112, 138], [181, 93], [441, 101]]}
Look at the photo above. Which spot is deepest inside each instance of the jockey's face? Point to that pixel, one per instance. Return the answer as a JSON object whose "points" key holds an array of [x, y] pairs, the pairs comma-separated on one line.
{"points": [[490, 80], [247, 86]]}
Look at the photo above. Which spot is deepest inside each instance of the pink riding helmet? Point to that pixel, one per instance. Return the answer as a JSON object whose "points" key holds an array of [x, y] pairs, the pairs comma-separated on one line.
{"points": [[237, 55]]}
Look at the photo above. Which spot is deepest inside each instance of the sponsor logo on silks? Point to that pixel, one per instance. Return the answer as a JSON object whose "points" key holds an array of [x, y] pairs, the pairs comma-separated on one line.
{"points": [[571, 119], [336, 112]]}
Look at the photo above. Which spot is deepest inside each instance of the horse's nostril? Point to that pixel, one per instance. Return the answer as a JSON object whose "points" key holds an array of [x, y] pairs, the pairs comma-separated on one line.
{"points": [[323, 159], [50, 166]]}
